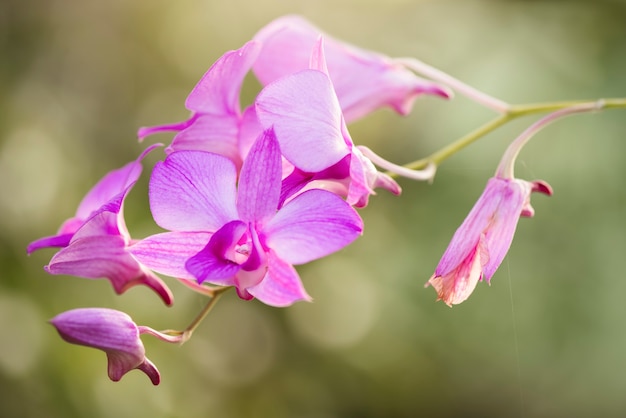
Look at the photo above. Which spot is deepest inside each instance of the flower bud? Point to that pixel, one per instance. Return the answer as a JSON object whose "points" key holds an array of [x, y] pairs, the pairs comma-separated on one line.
{"points": [[111, 331]]}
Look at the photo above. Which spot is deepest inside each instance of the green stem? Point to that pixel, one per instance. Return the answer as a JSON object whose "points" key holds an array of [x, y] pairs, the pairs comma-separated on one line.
{"points": [[185, 335], [514, 112], [449, 150]]}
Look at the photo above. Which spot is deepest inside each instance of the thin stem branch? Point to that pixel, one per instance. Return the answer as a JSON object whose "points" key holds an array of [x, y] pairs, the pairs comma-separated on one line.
{"points": [[532, 108], [200, 288], [507, 164], [514, 112], [449, 150], [182, 337]]}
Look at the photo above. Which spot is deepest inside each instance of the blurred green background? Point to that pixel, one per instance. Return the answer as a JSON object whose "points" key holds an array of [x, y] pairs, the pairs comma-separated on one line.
{"points": [[546, 339]]}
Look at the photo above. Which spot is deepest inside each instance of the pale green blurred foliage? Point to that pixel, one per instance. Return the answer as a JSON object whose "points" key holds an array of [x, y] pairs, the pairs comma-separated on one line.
{"points": [[546, 339]]}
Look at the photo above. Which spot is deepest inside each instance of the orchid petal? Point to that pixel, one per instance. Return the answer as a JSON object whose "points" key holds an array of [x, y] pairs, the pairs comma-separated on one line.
{"points": [[212, 133], [52, 241], [254, 268], [105, 221], [217, 92], [168, 252], [307, 119], [96, 257], [359, 189], [170, 127], [111, 331], [249, 131], [456, 286], [281, 286], [499, 234], [259, 181], [364, 80], [466, 237], [114, 183], [481, 242], [193, 191], [107, 193], [216, 262], [312, 225], [318, 57]]}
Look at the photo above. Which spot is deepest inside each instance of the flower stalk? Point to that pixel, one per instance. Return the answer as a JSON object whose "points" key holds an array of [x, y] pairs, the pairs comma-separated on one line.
{"points": [[514, 112], [181, 337], [506, 166]]}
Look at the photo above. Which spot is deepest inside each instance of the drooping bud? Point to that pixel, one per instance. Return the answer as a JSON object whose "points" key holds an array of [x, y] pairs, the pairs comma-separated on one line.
{"points": [[111, 331]]}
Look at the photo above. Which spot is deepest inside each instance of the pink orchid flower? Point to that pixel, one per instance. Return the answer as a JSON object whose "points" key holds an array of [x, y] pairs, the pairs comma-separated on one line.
{"points": [[95, 241], [364, 80], [217, 123], [305, 112], [111, 331], [481, 242], [237, 236]]}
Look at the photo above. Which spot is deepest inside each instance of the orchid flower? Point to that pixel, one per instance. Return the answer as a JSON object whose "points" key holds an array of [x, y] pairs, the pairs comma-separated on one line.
{"points": [[216, 121], [305, 112], [98, 247], [481, 242], [111, 331], [237, 236], [364, 80]]}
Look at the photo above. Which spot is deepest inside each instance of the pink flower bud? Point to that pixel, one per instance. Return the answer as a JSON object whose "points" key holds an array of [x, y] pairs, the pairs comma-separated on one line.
{"points": [[481, 242], [111, 331]]}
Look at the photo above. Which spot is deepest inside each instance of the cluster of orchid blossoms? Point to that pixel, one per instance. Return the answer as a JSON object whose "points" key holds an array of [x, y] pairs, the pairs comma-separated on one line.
{"points": [[245, 194]]}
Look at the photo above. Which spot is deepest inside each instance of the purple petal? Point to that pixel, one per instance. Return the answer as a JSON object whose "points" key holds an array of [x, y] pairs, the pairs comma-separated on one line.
{"points": [[254, 268], [217, 92], [53, 241], [167, 253], [281, 286], [249, 131], [359, 189], [151, 371], [293, 183], [500, 232], [154, 282], [71, 225], [193, 191], [325, 179], [172, 127], [102, 328], [106, 221], [107, 195], [318, 57], [312, 225], [111, 331], [459, 283], [216, 263], [97, 257], [364, 178], [307, 119], [364, 80], [259, 181], [212, 133], [111, 185], [486, 214]]}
